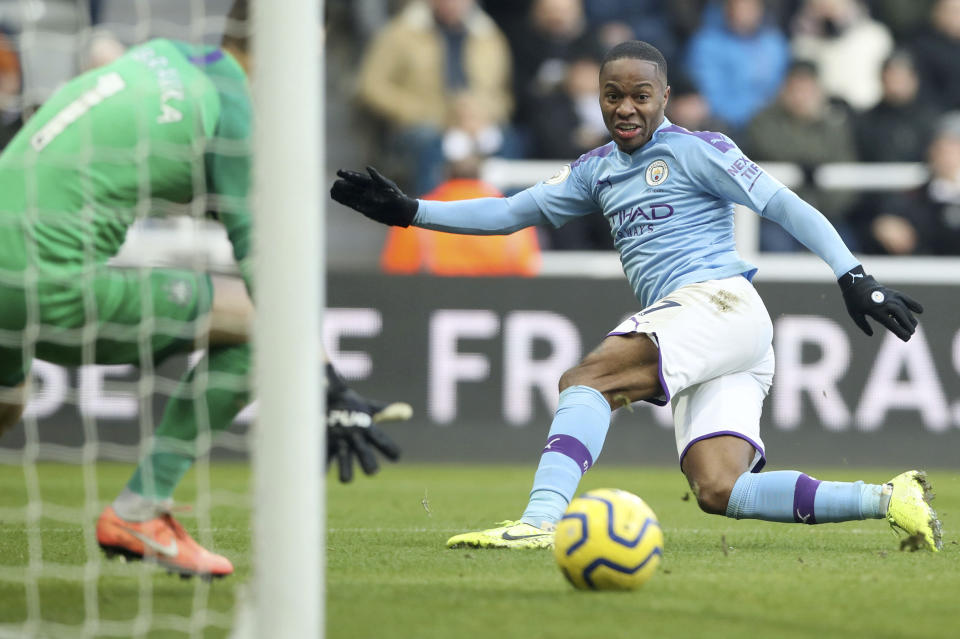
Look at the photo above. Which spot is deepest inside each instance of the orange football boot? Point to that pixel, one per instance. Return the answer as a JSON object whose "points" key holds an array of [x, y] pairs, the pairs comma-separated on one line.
{"points": [[161, 540]]}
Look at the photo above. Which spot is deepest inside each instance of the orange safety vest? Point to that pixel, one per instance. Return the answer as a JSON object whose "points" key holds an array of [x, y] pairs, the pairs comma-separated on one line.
{"points": [[413, 250], [9, 63]]}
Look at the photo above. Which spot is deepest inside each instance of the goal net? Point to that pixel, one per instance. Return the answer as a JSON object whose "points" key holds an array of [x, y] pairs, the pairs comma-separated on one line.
{"points": [[105, 346]]}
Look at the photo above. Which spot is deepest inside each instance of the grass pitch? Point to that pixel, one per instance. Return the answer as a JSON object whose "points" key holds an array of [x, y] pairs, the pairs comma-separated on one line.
{"points": [[390, 576]]}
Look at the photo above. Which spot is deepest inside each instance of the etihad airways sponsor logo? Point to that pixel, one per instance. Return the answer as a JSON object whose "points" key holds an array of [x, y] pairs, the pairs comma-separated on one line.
{"points": [[637, 220]]}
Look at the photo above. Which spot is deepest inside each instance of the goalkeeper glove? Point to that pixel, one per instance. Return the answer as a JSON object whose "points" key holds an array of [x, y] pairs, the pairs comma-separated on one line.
{"points": [[351, 431], [375, 196], [864, 296]]}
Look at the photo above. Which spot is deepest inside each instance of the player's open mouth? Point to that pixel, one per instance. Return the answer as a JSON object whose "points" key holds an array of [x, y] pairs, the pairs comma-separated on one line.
{"points": [[628, 130]]}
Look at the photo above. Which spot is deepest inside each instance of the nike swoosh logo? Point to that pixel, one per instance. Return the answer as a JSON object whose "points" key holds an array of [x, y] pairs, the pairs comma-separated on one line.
{"points": [[170, 550], [507, 536]]}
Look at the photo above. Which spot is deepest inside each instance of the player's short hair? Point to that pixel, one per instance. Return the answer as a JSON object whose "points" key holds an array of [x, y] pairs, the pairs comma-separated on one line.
{"points": [[637, 50], [236, 33]]}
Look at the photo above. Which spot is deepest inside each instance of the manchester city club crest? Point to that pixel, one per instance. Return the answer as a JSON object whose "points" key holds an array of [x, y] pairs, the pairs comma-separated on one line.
{"points": [[657, 173]]}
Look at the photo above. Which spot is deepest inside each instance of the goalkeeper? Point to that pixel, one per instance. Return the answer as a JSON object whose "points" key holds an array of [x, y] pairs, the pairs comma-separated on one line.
{"points": [[166, 125]]}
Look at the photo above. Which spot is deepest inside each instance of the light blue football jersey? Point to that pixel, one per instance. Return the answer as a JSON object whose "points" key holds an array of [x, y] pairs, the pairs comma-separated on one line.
{"points": [[669, 205]]}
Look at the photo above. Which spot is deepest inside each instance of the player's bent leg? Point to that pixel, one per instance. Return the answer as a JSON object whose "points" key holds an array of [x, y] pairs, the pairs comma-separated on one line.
{"points": [[206, 401], [138, 523], [621, 370], [712, 467], [791, 496], [175, 303], [910, 511], [624, 368]]}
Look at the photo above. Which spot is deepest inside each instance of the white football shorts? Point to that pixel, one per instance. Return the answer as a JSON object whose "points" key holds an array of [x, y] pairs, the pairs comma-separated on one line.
{"points": [[716, 359]]}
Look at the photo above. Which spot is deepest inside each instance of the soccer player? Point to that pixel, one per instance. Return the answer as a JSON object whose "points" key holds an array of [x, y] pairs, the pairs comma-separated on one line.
{"points": [[169, 122], [703, 339]]}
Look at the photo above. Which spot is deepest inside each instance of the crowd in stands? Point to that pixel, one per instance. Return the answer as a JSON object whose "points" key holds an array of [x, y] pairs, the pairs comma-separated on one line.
{"points": [[440, 85], [801, 81]]}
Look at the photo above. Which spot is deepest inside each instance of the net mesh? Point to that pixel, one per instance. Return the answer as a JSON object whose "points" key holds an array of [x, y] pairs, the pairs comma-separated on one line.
{"points": [[86, 426]]}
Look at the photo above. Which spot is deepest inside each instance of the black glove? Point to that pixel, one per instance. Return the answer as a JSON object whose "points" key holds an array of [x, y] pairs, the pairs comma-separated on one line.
{"points": [[375, 196], [351, 433], [864, 296]]}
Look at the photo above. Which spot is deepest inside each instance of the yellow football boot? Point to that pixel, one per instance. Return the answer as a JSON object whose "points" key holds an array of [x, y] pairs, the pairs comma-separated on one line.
{"points": [[910, 511], [509, 534]]}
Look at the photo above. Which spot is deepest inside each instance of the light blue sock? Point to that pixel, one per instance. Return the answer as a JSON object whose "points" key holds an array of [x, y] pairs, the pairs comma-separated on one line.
{"points": [[791, 496], [574, 443]]}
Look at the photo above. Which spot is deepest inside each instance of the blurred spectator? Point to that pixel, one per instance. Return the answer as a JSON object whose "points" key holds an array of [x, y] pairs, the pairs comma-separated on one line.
{"points": [[937, 53], [365, 17], [10, 91], [620, 20], [556, 34], [471, 131], [847, 47], [569, 122], [688, 108], [899, 127], [510, 15], [738, 65], [905, 19], [687, 16], [804, 128], [413, 250], [415, 68], [567, 125], [927, 220]]}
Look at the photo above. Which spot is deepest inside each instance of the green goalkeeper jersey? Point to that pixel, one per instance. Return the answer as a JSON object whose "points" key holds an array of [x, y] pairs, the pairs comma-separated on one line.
{"points": [[168, 122]]}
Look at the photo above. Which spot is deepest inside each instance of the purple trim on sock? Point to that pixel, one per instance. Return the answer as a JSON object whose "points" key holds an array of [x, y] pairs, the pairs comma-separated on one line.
{"points": [[759, 465], [803, 497], [572, 448]]}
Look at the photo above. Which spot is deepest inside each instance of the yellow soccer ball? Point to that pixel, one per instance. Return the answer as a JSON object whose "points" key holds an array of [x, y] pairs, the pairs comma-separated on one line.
{"points": [[608, 539]]}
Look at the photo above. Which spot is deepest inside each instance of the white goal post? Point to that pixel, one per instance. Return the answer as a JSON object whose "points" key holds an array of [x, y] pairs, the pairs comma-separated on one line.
{"points": [[289, 483]]}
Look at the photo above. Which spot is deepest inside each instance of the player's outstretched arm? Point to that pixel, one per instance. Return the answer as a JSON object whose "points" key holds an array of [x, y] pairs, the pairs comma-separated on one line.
{"points": [[862, 294], [865, 297], [380, 199], [374, 195]]}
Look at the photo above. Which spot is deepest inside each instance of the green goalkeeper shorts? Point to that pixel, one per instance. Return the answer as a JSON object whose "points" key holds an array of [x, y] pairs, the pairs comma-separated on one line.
{"points": [[104, 315]]}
